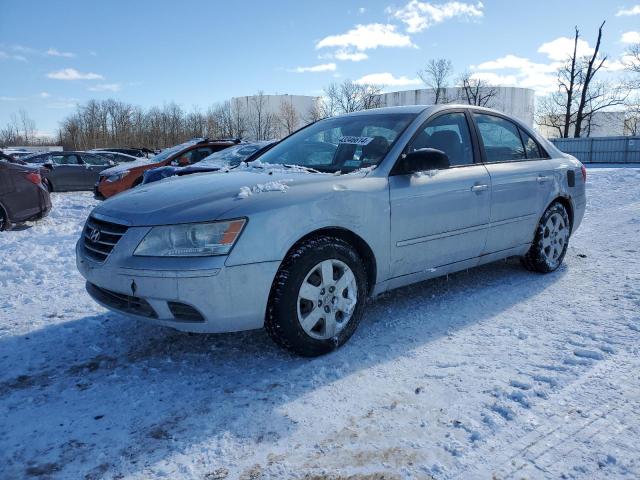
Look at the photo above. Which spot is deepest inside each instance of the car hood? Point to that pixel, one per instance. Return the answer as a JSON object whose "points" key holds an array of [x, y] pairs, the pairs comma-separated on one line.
{"points": [[208, 196]]}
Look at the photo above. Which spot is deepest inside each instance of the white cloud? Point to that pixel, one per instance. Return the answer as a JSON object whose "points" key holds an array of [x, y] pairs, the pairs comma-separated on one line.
{"points": [[387, 79], [44, 94], [366, 37], [421, 15], [350, 56], [73, 74], [523, 73], [496, 79], [52, 52], [10, 99], [361, 10], [630, 37], [106, 87], [561, 48], [10, 56], [324, 67], [635, 10], [61, 103]]}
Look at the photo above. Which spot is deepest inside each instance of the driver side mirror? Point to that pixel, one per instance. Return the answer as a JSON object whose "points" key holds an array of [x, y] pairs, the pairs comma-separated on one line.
{"points": [[420, 161]]}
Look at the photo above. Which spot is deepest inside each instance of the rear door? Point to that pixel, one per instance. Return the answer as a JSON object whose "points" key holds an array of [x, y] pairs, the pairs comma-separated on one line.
{"points": [[517, 184], [440, 217]]}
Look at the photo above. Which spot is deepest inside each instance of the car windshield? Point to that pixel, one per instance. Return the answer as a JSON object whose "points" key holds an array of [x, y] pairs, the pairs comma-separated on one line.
{"points": [[341, 144], [231, 156], [168, 152]]}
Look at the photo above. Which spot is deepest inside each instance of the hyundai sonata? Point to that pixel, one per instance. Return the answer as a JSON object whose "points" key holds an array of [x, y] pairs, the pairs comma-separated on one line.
{"points": [[342, 210]]}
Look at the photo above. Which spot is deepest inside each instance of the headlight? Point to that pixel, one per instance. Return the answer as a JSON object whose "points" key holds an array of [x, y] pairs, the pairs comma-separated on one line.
{"points": [[117, 176], [191, 239]]}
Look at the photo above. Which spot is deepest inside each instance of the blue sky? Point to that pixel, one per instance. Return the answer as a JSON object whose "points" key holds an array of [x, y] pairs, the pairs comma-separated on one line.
{"points": [[54, 55]]}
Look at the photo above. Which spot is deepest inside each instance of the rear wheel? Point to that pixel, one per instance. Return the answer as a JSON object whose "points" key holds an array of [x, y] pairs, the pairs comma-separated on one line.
{"points": [[551, 240], [317, 298], [48, 185], [4, 220]]}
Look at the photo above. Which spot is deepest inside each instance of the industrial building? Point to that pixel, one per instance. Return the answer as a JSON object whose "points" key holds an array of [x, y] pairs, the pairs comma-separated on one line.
{"points": [[517, 102]]}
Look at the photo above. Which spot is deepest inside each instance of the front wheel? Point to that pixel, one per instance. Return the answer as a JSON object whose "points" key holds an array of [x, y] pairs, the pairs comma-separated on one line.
{"points": [[317, 298], [551, 240]]}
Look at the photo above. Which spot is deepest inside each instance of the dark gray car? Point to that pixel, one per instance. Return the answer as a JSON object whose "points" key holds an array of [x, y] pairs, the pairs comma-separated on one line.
{"points": [[22, 195], [66, 171]]}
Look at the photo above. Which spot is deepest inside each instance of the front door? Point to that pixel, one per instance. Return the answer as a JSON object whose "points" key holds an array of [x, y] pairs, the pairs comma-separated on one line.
{"points": [[67, 172], [440, 217], [93, 165]]}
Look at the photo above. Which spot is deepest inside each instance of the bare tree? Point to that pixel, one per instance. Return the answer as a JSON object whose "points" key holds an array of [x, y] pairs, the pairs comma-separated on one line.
{"points": [[348, 97], [550, 113], [567, 79], [593, 66], [436, 76], [475, 91], [288, 116]]}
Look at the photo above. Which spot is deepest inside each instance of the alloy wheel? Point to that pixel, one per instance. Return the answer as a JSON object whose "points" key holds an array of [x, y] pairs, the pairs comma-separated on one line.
{"points": [[554, 238], [327, 298]]}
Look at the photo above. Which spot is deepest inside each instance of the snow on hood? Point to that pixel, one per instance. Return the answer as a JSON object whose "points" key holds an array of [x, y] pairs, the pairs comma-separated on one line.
{"points": [[123, 167]]}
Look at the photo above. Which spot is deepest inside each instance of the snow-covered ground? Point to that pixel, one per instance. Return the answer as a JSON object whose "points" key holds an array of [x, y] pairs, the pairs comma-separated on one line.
{"points": [[491, 372]]}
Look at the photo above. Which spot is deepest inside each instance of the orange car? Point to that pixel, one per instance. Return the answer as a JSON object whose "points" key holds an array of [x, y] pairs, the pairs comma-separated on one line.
{"points": [[127, 175]]}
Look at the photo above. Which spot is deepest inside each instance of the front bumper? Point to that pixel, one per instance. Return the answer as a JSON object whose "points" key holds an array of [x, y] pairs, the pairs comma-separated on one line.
{"points": [[226, 299]]}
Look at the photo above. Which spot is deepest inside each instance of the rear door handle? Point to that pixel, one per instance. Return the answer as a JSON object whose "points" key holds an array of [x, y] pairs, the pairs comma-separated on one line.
{"points": [[479, 188], [543, 179]]}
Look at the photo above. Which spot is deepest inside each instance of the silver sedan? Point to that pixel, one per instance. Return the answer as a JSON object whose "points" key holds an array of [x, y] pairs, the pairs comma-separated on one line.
{"points": [[340, 211]]}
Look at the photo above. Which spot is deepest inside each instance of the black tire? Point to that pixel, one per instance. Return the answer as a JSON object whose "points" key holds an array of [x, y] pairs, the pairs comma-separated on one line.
{"points": [[4, 220], [48, 185], [281, 320], [537, 258]]}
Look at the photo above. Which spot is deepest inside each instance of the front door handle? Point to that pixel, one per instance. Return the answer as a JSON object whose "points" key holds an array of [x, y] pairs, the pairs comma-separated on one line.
{"points": [[543, 179], [479, 188]]}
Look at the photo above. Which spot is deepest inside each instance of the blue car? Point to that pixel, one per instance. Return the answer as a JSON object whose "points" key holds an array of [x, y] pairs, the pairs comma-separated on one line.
{"points": [[229, 157]]}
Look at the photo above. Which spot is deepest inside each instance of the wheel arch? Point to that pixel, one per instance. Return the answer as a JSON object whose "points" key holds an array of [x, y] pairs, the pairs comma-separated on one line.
{"points": [[356, 241]]}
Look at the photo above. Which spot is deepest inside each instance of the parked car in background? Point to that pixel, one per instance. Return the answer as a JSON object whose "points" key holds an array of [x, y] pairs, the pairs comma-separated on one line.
{"points": [[134, 152], [229, 157], [123, 177], [17, 152], [67, 171], [23, 197], [116, 157], [299, 242]]}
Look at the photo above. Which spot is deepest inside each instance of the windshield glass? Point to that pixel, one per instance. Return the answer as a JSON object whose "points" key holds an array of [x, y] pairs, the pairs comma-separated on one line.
{"points": [[168, 152], [342, 143], [233, 155]]}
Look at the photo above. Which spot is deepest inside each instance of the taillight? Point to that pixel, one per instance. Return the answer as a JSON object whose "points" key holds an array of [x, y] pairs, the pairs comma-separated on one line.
{"points": [[584, 173], [34, 178]]}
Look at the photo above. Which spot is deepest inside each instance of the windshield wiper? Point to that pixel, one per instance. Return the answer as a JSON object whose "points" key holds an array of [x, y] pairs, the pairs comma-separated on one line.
{"points": [[308, 169]]}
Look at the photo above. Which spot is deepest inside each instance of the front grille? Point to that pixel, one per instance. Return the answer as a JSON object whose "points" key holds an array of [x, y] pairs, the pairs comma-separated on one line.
{"points": [[182, 311], [122, 302], [99, 245]]}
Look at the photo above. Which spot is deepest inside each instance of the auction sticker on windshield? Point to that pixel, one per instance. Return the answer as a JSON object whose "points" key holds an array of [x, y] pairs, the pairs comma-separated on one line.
{"points": [[356, 140]]}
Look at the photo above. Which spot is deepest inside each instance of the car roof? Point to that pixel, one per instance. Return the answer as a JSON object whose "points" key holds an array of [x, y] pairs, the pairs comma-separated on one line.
{"points": [[417, 109]]}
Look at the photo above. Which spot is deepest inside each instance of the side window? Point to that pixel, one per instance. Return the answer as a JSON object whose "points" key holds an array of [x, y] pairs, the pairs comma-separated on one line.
{"points": [[530, 146], [500, 137], [65, 159], [200, 153], [449, 133], [94, 160]]}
